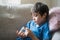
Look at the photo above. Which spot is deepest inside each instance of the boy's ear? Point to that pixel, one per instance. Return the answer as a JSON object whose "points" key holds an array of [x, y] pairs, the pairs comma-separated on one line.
{"points": [[44, 15]]}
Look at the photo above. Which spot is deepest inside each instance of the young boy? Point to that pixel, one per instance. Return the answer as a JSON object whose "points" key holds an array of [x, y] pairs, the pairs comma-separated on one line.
{"points": [[38, 27]]}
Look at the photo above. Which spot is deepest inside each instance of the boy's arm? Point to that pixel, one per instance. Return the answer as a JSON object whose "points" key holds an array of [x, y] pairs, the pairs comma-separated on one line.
{"points": [[31, 35], [34, 37]]}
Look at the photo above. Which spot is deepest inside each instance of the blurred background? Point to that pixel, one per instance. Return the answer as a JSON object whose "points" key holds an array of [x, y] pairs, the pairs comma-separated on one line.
{"points": [[15, 13]]}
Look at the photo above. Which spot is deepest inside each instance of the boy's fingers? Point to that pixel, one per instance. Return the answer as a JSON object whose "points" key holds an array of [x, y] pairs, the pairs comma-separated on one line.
{"points": [[17, 31], [22, 34]]}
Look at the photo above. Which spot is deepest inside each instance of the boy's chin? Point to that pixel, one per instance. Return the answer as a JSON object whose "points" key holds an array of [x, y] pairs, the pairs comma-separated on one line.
{"points": [[37, 23]]}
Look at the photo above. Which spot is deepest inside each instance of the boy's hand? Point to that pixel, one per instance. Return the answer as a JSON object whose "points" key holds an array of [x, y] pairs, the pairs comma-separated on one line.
{"points": [[17, 32], [31, 35], [27, 32], [22, 34]]}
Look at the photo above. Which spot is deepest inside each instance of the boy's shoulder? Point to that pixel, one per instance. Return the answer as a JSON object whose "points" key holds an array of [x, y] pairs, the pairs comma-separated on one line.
{"points": [[46, 25], [31, 21]]}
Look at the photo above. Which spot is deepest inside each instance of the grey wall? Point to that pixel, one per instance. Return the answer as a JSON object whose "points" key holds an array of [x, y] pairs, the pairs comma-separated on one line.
{"points": [[11, 18], [55, 3]]}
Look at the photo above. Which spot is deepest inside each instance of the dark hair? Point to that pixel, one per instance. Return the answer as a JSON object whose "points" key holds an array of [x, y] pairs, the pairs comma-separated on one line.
{"points": [[41, 8]]}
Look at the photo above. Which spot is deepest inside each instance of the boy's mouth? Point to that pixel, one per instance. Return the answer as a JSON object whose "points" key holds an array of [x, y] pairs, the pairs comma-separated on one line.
{"points": [[36, 22]]}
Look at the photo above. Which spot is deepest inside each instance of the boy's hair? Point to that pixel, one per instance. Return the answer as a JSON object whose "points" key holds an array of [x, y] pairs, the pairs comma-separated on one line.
{"points": [[41, 8]]}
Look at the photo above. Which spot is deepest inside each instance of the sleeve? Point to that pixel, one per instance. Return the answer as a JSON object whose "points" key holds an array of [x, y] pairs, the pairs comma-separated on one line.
{"points": [[46, 33], [28, 24]]}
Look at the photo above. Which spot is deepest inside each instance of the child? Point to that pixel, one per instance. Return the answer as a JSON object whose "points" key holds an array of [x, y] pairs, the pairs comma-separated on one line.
{"points": [[38, 27]]}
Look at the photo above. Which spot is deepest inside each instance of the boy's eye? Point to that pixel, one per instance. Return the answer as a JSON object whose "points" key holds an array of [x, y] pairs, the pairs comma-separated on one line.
{"points": [[36, 15]]}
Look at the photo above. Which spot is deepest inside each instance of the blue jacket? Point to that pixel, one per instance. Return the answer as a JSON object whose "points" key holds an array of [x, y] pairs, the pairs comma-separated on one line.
{"points": [[40, 31]]}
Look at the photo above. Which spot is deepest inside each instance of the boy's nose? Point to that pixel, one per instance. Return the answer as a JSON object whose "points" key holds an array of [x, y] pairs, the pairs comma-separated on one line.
{"points": [[33, 18]]}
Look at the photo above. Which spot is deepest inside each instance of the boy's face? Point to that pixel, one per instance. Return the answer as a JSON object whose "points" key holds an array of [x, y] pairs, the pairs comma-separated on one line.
{"points": [[37, 18]]}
